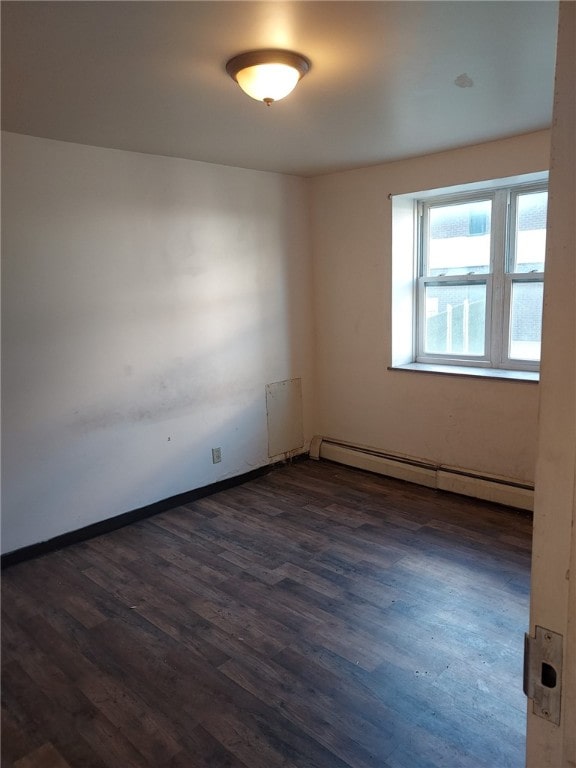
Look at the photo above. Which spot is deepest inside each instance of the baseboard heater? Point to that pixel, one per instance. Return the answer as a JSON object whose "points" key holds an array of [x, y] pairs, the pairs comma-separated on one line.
{"points": [[501, 490]]}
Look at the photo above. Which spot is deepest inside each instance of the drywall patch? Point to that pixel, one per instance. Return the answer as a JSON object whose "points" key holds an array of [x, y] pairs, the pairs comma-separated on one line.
{"points": [[464, 81], [284, 415]]}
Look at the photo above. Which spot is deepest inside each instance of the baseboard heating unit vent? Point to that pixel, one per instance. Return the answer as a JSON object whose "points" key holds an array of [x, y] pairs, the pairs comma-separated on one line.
{"points": [[501, 490]]}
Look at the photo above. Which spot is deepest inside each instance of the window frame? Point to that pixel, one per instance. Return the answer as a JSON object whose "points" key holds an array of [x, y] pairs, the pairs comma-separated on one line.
{"points": [[499, 280]]}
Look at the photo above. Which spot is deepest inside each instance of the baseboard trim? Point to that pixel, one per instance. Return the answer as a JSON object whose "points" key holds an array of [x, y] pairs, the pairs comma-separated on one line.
{"points": [[501, 490], [510, 494], [383, 464], [133, 516]]}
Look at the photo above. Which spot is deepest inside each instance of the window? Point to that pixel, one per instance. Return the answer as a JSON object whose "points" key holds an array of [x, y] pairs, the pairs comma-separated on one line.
{"points": [[480, 277]]}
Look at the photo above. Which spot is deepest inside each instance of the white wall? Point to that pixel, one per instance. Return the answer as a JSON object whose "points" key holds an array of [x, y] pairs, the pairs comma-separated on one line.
{"points": [[484, 425], [147, 302]]}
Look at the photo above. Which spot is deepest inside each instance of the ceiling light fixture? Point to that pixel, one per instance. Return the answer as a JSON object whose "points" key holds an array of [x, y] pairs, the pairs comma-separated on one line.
{"points": [[267, 75]]}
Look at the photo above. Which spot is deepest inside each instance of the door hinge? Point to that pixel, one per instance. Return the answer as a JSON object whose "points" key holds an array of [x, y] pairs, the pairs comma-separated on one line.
{"points": [[543, 673]]}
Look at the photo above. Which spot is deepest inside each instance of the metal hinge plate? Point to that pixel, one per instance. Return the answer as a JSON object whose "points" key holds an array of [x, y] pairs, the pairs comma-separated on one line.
{"points": [[543, 673]]}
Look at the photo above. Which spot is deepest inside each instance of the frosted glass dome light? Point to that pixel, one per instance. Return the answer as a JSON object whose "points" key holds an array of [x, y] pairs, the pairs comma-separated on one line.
{"points": [[267, 76]]}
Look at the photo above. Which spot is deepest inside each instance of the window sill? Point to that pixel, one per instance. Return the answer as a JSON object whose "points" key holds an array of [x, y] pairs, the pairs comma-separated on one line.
{"points": [[466, 370]]}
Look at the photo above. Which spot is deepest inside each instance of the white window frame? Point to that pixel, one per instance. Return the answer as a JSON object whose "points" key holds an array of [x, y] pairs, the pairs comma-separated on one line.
{"points": [[499, 280], [510, 278]]}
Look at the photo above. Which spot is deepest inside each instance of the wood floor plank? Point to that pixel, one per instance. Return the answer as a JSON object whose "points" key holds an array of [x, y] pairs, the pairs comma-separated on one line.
{"points": [[345, 734], [315, 617], [202, 750], [46, 756]]}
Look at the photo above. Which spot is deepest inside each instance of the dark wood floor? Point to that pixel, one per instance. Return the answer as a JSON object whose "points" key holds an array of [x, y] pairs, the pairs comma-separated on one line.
{"points": [[316, 617]]}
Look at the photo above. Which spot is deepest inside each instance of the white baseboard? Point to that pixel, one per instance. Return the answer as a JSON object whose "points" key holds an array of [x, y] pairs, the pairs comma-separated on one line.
{"points": [[456, 480], [383, 465], [501, 492]]}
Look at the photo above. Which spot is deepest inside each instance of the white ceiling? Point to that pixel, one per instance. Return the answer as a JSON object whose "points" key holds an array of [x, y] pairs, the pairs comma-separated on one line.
{"points": [[149, 77]]}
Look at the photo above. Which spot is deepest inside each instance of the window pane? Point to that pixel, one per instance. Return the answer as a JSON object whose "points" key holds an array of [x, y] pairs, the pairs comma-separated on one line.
{"points": [[455, 319], [525, 321], [459, 238], [530, 232]]}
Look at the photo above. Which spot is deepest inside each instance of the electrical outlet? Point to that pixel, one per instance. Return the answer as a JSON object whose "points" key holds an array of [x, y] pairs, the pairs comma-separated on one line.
{"points": [[216, 455]]}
